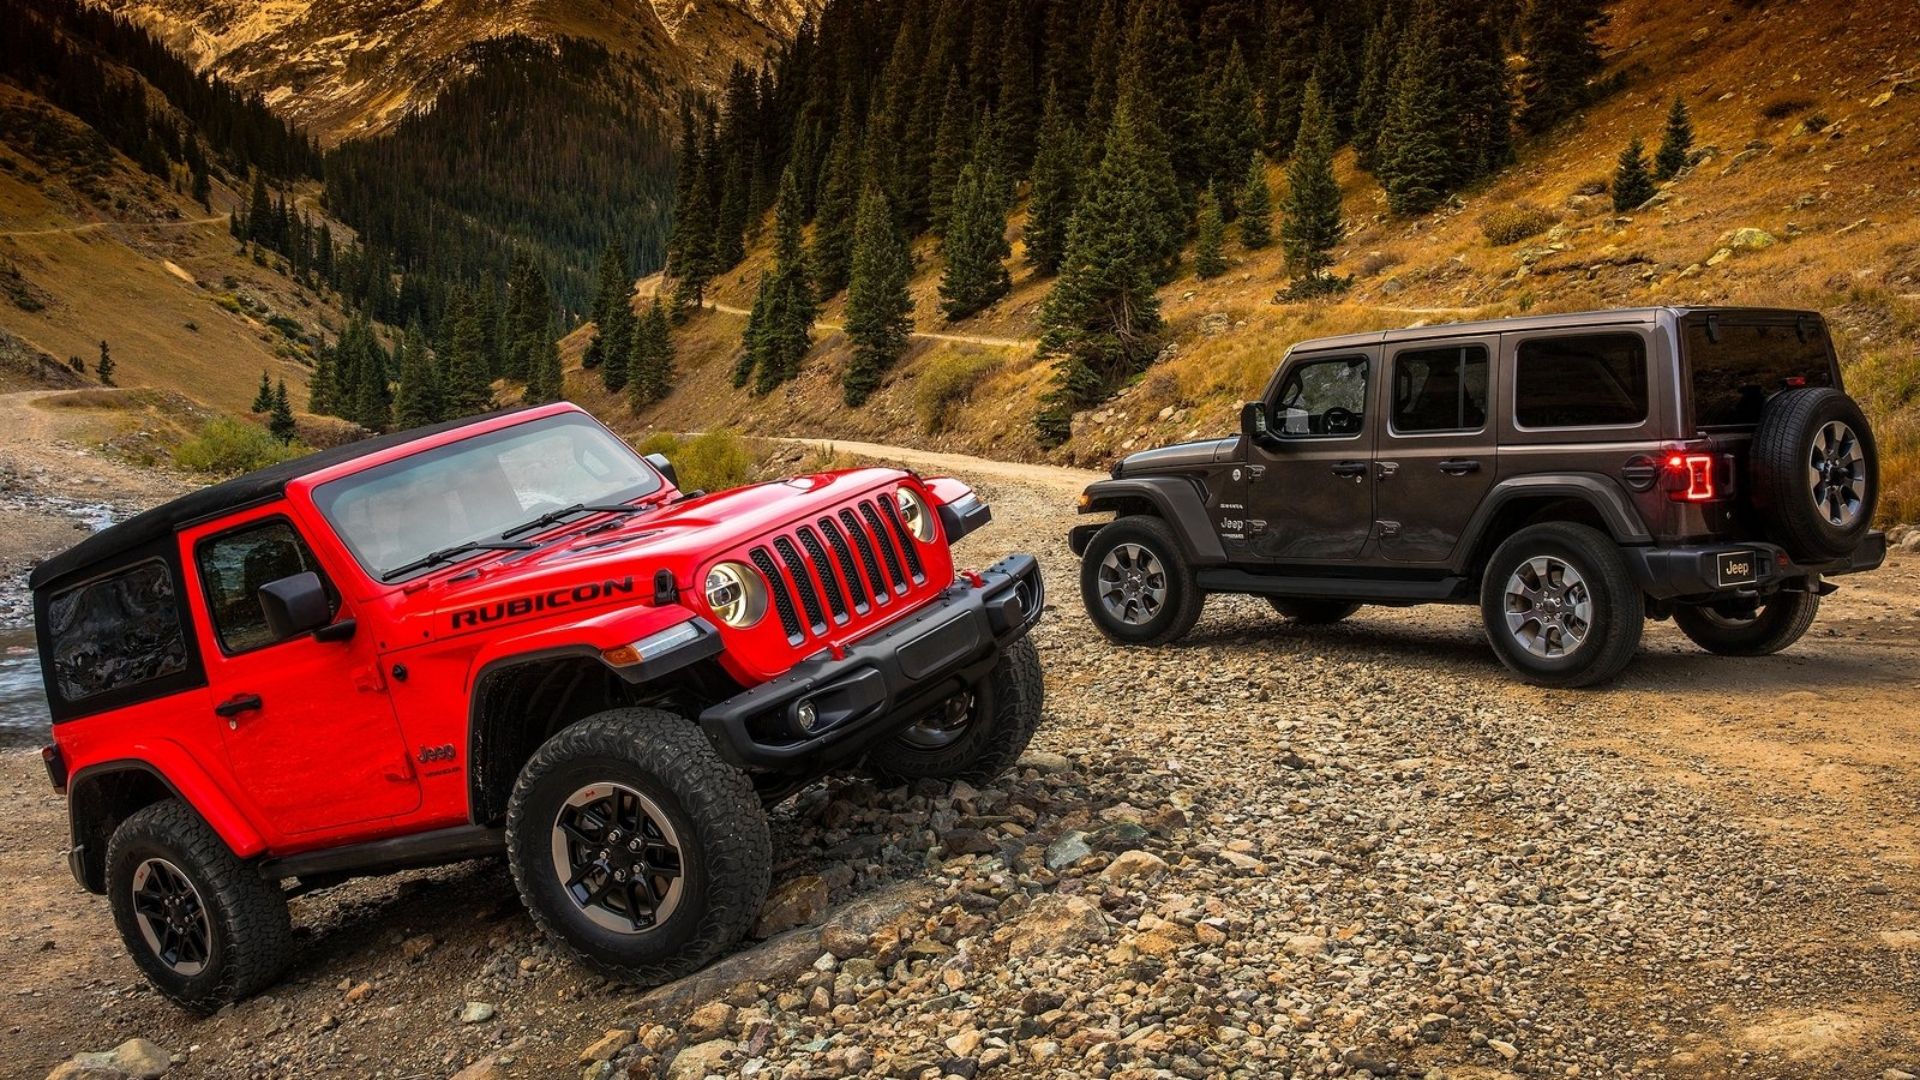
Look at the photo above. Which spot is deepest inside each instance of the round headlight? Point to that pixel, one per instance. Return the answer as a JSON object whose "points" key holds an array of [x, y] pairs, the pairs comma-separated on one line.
{"points": [[918, 517], [736, 594]]}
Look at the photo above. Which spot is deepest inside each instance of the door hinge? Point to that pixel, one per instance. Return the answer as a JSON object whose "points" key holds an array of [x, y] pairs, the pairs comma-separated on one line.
{"points": [[1388, 529], [369, 679]]}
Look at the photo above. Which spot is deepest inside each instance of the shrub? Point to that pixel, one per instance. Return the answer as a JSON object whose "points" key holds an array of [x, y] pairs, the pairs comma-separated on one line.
{"points": [[947, 382], [227, 446], [1817, 121], [711, 461], [1512, 224], [1593, 185], [1315, 286], [289, 328], [1782, 107]]}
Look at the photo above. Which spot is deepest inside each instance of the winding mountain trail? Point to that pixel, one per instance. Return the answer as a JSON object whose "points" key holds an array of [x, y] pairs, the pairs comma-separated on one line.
{"points": [[925, 335], [96, 226]]}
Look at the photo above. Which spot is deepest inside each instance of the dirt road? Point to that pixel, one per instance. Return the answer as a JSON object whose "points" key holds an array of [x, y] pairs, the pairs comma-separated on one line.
{"points": [[96, 226], [1357, 850]]}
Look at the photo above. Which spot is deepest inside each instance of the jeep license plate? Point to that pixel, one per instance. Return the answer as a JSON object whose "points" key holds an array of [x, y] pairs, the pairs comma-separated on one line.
{"points": [[1738, 568]]}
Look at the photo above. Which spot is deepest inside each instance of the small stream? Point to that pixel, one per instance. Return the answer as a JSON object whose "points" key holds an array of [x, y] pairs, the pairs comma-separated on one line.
{"points": [[24, 720]]}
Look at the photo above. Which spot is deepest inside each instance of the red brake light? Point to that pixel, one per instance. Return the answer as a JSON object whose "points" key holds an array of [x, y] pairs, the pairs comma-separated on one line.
{"points": [[1693, 477]]}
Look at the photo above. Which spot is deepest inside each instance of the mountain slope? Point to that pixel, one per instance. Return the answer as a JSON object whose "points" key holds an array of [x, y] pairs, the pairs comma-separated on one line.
{"points": [[350, 68], [1809, 124]]}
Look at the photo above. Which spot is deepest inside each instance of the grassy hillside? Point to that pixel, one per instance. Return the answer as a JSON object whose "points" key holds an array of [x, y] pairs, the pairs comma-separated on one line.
{"points": [[1813, 129], [91, 248]]}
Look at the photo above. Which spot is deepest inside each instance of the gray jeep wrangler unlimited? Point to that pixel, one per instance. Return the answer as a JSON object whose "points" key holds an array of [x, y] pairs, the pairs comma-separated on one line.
{"points": [[1572, 474]]}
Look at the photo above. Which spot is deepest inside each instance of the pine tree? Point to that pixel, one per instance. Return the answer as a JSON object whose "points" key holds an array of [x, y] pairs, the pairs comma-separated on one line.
{"points": [[950, 150], [879, 308], [779, 333], [832, 254], [612, 312], [1209, 246], [372, 401], [1289, 56], [1310, 225], [466, 383], [263, 397], [1374, 96], [694, 262], [323, 386], [1256, 205], [1233, 129], [652, 365], [1017, 110], [1100, 322], [420, 399], [280, 415], [1056, 187], [976, 245], [1676, 146], [1420, 127], [1562, 59], [546, 382], [104, 368], [260, 211], [1632, 179]]}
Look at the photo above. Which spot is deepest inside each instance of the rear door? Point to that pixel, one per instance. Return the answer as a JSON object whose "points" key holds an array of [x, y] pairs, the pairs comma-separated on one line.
{"points": [[310, 731], [1435, 457]]}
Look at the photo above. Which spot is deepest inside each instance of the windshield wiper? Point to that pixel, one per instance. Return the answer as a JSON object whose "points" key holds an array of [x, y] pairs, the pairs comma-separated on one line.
{"points": [[448, 554], [554, 517]]}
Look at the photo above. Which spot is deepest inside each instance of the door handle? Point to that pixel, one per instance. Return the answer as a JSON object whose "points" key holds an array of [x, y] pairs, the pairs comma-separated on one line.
{"points": [[1459, 466], [1350, 468], [237, 704]]}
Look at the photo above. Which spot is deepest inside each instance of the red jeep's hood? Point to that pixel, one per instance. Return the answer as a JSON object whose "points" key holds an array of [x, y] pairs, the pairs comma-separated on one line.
{"points": [[579, 566]]}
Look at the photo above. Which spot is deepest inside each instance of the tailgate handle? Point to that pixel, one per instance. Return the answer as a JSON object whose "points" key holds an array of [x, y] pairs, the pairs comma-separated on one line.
{"points": [[1459, 466]]}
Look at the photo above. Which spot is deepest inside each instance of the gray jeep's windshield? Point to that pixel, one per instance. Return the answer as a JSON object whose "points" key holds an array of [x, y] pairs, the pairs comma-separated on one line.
{"points": [[475, 489]]}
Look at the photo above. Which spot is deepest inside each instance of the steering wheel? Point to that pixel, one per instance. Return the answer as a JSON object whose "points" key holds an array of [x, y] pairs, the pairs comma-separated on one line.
{"points": [[1339, 421]]}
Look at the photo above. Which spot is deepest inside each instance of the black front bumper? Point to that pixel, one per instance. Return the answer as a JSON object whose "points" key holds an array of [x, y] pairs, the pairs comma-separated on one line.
{"points": [[883, 682], [1668, 573]]}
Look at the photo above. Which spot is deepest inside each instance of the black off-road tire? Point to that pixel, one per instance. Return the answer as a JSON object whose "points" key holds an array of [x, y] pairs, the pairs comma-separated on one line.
{"points": [[1618, 608], [250, 935], [1006, 710], [1782, 619], [1312, 612], [1780, 465], [725, 851], [1183, 599]]}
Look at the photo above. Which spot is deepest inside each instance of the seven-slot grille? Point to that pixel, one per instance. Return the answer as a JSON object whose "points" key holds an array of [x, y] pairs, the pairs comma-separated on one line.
{"points": [[815, 572]]}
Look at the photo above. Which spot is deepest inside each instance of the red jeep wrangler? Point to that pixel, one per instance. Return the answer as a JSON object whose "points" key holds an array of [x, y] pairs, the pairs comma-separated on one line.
{"points": [[506, 634]]}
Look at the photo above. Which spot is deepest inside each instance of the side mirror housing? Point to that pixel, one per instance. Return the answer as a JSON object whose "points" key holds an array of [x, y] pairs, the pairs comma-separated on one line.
{"points": [[295, 605], [1254, 424], [660, 462]]}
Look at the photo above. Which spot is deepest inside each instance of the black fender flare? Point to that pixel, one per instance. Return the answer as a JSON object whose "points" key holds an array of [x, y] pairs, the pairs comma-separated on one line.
{"points": [[1606, 498], [1177, 500]]}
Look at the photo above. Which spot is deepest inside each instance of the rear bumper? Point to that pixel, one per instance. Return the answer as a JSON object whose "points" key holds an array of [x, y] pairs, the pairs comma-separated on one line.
{"points": [[1683, 572], [883, 682]]}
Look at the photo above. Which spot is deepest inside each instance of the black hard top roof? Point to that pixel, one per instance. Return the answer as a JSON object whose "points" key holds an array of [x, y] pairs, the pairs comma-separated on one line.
{"points": [[241, 491], [1564, 320]]}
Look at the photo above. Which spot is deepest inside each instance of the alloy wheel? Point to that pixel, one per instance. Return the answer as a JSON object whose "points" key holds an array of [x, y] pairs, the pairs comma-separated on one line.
{"points": [[1837, 471], [171, 916], [618, 858], [1549, 608], [1133, 584]]}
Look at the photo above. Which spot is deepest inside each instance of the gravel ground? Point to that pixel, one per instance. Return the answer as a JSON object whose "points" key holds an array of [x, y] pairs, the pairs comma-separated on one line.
{"points": [[1269, 851]]}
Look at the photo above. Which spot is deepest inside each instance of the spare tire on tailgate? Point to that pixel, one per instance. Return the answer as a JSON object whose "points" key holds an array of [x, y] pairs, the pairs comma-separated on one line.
{"points": [[1815, 472]]}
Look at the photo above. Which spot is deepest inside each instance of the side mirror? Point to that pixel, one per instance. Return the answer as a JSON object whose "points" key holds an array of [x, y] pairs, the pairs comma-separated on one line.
{"points": [[1254, 424], [660, 462], [298, 605]]}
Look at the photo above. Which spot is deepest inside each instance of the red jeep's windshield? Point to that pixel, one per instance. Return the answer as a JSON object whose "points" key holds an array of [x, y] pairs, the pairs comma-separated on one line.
{"points": [[475, 489]]}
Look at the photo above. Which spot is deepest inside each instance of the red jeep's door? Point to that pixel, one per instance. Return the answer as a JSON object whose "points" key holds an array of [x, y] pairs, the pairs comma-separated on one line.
{"points": [[311, 733]]}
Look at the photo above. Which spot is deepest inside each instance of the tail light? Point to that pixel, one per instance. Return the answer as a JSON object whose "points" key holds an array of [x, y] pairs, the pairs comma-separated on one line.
{"points": [[1690, 475]]}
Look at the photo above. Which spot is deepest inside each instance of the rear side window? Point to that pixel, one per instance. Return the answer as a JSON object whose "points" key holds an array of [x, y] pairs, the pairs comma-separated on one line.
{"points": [[1440, 389], [1590, 380], [1735, 375], [118, 632], [234, 565]]}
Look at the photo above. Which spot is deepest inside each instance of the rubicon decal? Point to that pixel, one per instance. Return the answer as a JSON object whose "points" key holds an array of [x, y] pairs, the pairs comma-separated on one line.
{"points": [[522, 606]]}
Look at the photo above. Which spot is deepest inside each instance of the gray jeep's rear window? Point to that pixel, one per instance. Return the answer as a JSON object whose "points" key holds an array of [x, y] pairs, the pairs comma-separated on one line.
{"points": [[1734, 375], [117, 632], [1587, 380]]}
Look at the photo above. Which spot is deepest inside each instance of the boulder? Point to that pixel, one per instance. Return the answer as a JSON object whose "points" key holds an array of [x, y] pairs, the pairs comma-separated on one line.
{"points": [[1054, 924], [135, 1059], [795, 902]]}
